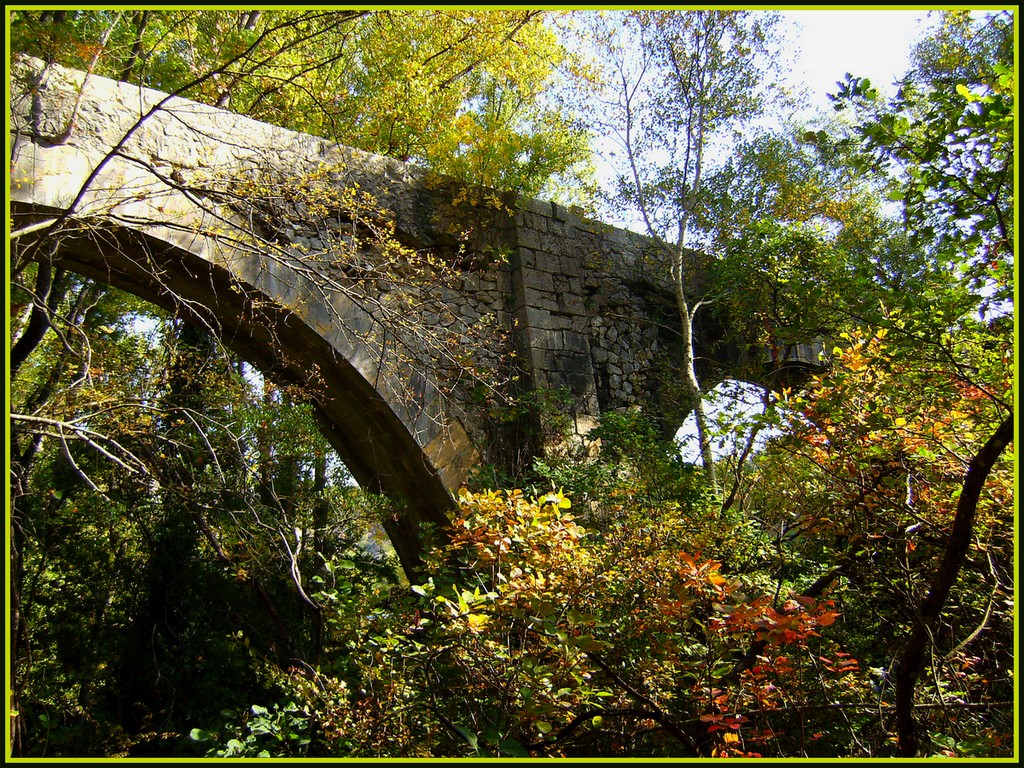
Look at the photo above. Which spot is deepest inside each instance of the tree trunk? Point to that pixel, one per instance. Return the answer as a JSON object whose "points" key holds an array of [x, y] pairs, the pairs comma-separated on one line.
{"points": [[248, 19], [50, 289], [141, 21], [692, 383], [910, 664]]}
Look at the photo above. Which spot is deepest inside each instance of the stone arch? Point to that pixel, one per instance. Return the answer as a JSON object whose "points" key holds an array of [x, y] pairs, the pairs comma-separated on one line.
{"points": [[722, 360], [135, 188], [154, 193], [411, 451]]}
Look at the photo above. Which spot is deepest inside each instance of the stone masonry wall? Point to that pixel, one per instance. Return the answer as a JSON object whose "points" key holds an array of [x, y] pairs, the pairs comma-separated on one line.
{"points": [[594, 308], [262, 231]]}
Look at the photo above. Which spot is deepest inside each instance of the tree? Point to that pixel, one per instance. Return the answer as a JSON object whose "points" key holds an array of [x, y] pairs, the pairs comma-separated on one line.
{"points": [[912, 419], [139, 527], [881, 484], [949, 136], [681, 79]]}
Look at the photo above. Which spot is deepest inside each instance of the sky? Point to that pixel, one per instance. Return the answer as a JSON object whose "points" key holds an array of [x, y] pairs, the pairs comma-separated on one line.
{"points": [[868, 43]]}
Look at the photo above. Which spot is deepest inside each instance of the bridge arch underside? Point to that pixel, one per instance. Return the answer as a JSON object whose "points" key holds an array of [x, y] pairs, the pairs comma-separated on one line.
{"points": [[721, 360], [385, 450]]}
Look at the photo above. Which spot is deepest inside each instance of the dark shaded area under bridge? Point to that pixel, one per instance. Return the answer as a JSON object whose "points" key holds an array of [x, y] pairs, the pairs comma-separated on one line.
{"points": [[201, 211]]}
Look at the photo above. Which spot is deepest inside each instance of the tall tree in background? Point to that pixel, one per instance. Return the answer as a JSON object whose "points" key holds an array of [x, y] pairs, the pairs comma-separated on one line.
{"points": [[680, 80]]}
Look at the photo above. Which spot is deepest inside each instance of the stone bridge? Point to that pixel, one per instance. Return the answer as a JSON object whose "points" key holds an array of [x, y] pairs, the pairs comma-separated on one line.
{"points": [[414, 314]]}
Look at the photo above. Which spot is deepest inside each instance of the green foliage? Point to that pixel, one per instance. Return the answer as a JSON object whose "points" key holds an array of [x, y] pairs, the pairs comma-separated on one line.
{"points": [[625, 453], [534, 634], [282, 730], [949, 138], [785, 285], [152, 541], [799, 177]]}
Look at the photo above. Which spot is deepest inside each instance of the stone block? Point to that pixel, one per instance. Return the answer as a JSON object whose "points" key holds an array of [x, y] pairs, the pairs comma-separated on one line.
{"points": [[538, 280], [535, 206]]}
